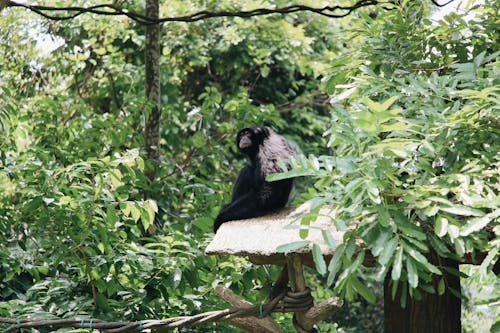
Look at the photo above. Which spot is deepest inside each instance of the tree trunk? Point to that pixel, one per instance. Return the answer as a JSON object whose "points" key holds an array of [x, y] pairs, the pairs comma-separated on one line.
{"points": [[152, 84], [433, 313]]}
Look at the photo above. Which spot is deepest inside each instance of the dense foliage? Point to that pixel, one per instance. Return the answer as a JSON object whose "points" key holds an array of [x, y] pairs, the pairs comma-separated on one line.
{"points": [[414, 164], [396, 117]]}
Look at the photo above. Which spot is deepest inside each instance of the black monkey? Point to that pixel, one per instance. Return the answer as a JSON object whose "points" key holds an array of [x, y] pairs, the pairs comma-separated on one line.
{"points": [[252, 195]]}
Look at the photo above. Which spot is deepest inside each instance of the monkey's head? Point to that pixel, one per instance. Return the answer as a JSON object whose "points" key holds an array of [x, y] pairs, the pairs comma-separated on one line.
{"points": [[249, 139]]}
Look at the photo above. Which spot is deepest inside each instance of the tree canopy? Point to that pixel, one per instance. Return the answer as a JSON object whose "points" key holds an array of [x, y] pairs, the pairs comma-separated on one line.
{"points": [[395, 117]]}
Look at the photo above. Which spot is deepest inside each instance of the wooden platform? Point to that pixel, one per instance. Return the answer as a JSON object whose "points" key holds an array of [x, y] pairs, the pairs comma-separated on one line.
{"points": [[258, 238]]}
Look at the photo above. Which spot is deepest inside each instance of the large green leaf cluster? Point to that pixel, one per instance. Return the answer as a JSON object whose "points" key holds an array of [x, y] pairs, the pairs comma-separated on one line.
{"points": [[414, 168]]}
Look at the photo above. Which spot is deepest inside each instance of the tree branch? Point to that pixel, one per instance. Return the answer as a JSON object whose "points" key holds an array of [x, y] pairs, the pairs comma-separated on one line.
{"points": [[113, 10], [435, 2]]}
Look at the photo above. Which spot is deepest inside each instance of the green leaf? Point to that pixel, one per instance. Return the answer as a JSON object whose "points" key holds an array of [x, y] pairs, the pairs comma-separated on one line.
{"points": [[427, 287], [428, 148], [489, 259], [43, 269], [140, 163], [292, 246], [335, 264], [453, 231], [102, 302], [387, 104], [151, 203], [204, 223], [306, 221], [441, 226], [379, 107], [264, 71], [151, 208], [177, 277], [441, 200], [459, 247], [456, 272], [394, 289], [439, 246], [393, 127], [391, 115], [431, 210], [99, 183], [366, 121], [116, 177], [363, 290], [462, 210], [357, 262], [48, 201], [373, 192], [100, 246], [411, 230], [383, 217], [318, 259], [111, 217], [404, 294], [147, 217], [478, 223], [135, 212], [420, 258], [100, 51], [441, 287], [350, 245], [282, 165], [199, 140], [294, 173], [380, 243], [419, 245], [125, 207], [388, 251], [328, 238], [412, 273], [397, 265]]}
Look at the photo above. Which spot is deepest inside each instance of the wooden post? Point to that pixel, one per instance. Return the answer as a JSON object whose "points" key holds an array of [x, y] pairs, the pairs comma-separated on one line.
{"points": [[298, 283]]}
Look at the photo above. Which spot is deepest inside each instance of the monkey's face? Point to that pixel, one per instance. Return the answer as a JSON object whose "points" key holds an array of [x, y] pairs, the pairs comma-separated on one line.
{"points": [[244, 140], [249, 139]]}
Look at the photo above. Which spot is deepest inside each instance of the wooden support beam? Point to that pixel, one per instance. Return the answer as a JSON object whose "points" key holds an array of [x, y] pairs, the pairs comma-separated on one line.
{"points": [[249, 324], [318, 312], [297, 284], [323, 310]]}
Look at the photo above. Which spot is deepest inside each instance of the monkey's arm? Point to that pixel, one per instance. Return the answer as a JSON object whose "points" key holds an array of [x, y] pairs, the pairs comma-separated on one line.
{"points": [[271, 196], [244, 207]]}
